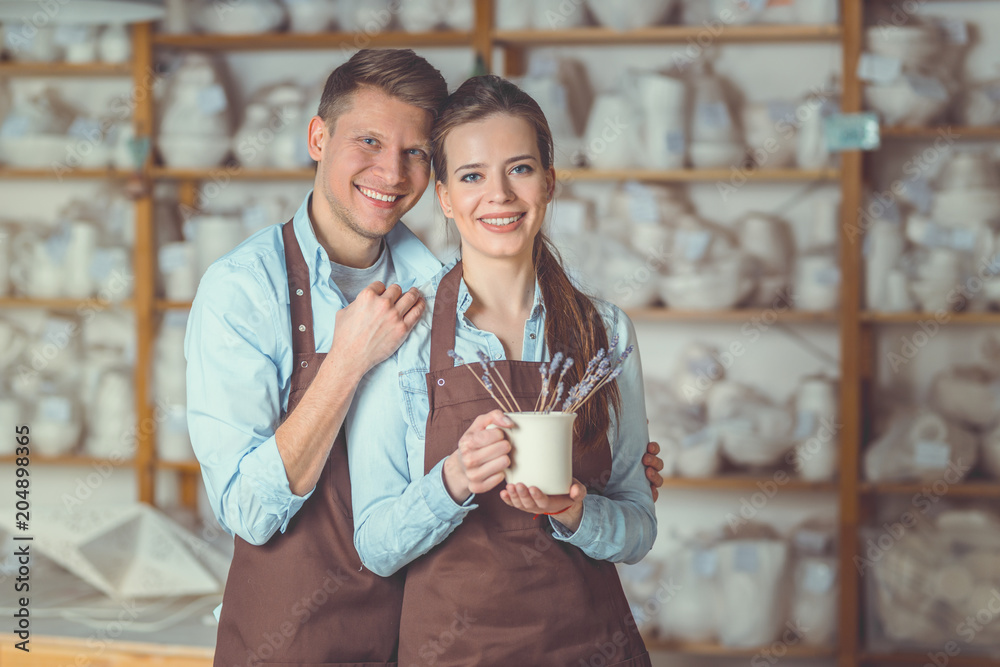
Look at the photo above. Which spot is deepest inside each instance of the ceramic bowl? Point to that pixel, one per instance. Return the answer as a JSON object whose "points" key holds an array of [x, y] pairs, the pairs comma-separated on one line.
{"points": [[39, 151], [710, 290], [246, 17], [966, 208], [716, 154], [310, 16], [193, 152], [897, 104], [630, 14], [914, 45]]}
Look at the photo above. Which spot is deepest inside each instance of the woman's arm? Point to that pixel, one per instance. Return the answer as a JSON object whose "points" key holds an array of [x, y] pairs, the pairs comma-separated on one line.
{"points": [[399, 513], [620, 524]]}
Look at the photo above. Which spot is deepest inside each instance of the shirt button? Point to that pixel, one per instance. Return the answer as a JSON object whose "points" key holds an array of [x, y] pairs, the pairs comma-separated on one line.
{"points": [[302, 327], [531, 336], [498, 357], [299, 292]]}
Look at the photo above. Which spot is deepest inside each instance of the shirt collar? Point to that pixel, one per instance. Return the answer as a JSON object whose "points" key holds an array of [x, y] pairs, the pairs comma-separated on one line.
{"points": [[413, 262], [465, 299]]}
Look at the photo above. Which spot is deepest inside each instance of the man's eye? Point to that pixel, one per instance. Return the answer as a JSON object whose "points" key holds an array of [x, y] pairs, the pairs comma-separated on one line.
{"points": [[370, 141]]}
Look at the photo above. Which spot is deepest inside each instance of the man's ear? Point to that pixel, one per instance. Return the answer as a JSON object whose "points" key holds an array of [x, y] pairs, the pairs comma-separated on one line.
{"points": [[441, 190], [317, 137]]}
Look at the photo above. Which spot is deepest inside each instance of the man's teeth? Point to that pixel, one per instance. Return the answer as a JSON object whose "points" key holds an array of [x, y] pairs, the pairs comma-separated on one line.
{"points": [[500, 222], [376, 195]]}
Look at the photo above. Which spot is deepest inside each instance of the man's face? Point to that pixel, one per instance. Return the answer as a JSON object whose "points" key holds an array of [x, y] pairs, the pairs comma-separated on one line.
{"points": [[375, 164]]}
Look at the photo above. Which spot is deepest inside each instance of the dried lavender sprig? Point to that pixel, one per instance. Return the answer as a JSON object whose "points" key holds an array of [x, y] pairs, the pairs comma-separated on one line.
{"points": [[614, 374], [559, 382], [510, 394], [454, 355], [487, 386], [555, 399], [541, 371]]}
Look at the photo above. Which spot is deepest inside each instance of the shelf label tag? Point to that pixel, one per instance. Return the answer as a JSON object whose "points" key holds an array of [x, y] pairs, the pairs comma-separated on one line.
{"points": [[212, 100], [879, 69], [927, 86], [852, 132], [715, 115], [55, 409], [694, 243], [15, 125], [642, 204], [745, 559], [918, 191], [705, 562], [676, 142], [817, 576], [931, 455]]}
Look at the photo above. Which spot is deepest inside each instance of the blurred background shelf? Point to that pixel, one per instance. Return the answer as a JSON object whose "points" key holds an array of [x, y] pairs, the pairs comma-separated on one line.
{"points": [[745, 483], [59, 174], [965, 489], [737, 315], [71, 460], [719, 651], [954, 131], [284, 41], [163, 304], [64, 69], [180, 466], [697, 175], [917, 317], [918, 659], [232, 172], [671, 34], [64, 304]]}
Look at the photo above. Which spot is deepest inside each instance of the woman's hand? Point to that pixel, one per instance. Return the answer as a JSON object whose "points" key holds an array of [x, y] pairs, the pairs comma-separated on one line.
{"points": [[477, 465], [533, 501]]}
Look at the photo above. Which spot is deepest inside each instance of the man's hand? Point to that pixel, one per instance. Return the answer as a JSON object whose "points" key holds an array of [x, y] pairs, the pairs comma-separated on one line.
{"points": [[653, 465], [369, 330], [482, 455]]}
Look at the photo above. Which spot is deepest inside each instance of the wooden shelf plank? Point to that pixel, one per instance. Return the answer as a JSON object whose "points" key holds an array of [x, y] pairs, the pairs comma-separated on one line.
{"points": [[971, 489], [745, 482], [163, 304], [654, 314], [51, 174], [232, 172], [285, 41], [668, 34], [180, 466], [716, 650], [63, 304], [696, 175], [64, 69], [956, 132], [915, 317], [70, 460], [912, 658]]}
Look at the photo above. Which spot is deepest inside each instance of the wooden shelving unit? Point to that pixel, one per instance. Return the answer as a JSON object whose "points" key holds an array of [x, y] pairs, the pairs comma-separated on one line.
{"points": [[965, 489], [746, 483], [716, 651], [80, 305], [668, 34], [71, 460], [64, 69], [856, 327]]}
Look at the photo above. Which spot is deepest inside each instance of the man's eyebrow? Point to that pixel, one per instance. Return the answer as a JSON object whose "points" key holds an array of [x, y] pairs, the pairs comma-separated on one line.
{"points": [[480, 165], [369, 133]]}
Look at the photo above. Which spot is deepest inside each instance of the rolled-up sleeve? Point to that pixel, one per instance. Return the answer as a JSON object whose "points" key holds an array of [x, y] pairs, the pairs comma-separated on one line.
{"points": [[399, 513], [234, 402], [619, 525]]}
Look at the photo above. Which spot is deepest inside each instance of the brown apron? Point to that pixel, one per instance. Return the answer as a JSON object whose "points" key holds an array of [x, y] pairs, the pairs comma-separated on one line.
{"points": [[303, 598], [500, 590]]}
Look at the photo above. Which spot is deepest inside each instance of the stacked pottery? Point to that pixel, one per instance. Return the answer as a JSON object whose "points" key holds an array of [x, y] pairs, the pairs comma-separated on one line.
{"points": [[247, 17], [57, 423], [312, 16], [663, 100], [752, 569], [715, 136], [563, 91], [753, 431], [169, 364], [920, 444], [770, 133], [817, 446], [708, 270], [37, 129], [213, 237], [612, 139], [911, 83], [691, 614], [814, 583], [195, 127], [631, 14], [768, 241], [112, 415], [883, 249]]}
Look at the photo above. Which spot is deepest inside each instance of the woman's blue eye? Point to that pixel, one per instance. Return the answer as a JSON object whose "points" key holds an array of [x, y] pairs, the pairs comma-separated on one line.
{"points": [[468, 178], [524, 169]]}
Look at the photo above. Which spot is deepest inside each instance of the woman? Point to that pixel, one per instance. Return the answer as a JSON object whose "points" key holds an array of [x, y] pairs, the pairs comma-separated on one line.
{"points": [[490, 583]]}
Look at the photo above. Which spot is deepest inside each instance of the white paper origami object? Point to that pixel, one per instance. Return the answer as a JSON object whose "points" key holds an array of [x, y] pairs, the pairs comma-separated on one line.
{"points": [[126, 552]]}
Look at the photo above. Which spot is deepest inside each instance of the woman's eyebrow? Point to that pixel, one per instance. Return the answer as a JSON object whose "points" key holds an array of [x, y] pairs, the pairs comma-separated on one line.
{"points": [[480, 165]]}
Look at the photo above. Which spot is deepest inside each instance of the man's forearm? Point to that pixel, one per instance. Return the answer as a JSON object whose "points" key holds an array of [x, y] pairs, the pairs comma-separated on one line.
{"points": [[305, 438]]}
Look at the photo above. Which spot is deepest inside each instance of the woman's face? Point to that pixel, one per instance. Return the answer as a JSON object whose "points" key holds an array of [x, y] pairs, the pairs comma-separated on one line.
{"points": [[496, 188]]}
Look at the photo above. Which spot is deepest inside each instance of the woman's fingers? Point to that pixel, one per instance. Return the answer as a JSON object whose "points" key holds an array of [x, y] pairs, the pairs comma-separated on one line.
{"points": [[475, 457]]}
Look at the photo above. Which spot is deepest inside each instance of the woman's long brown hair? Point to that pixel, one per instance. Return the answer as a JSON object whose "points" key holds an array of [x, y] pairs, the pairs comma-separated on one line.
{"points": [[572, 323]]}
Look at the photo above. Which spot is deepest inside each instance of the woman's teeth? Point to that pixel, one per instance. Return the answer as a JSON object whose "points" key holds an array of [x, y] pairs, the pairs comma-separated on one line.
{"points": [[500, 222], [376, 195]]}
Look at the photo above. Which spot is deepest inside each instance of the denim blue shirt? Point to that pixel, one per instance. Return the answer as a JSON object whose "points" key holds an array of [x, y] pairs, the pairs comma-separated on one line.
{"points": [[239, 365], [400, 513]]}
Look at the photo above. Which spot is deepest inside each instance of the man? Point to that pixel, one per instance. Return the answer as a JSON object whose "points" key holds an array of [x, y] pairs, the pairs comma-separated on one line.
{"points": [[265, 406]]}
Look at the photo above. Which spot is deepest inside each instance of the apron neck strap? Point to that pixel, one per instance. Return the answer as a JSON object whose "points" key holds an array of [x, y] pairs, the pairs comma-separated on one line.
{"points": [[299, 296], [445, 319]]}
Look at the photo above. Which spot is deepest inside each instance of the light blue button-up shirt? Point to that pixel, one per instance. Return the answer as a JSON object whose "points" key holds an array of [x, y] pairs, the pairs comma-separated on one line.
{"points": [[239, 366], [400, 513]]}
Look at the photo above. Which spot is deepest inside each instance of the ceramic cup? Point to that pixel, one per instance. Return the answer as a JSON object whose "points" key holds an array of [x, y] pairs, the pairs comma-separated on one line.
{"points": [[77, 274], [541, 450], [36, 271]]}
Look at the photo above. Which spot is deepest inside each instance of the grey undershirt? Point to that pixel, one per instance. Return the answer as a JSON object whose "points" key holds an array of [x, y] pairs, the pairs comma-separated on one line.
{"points": [[352, 281]]}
